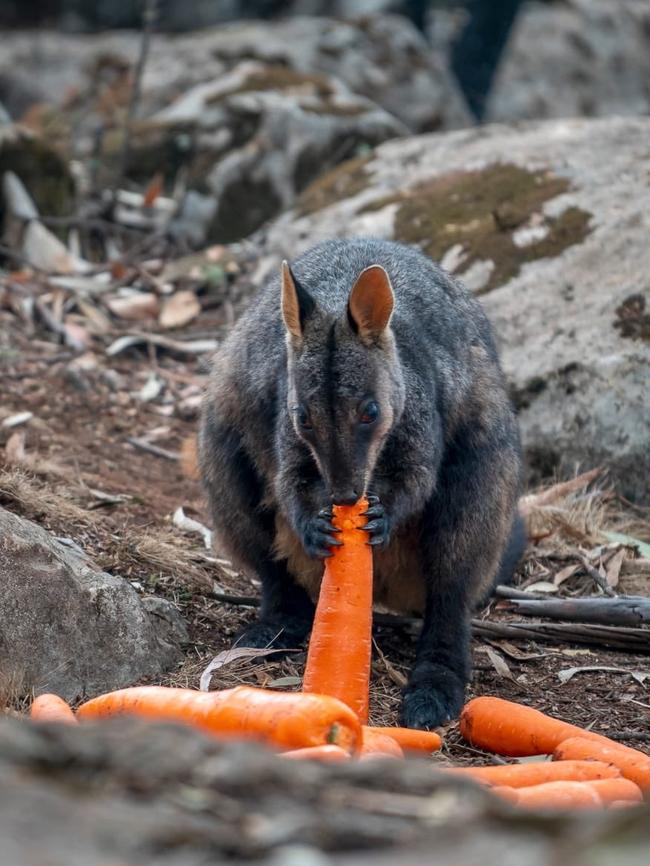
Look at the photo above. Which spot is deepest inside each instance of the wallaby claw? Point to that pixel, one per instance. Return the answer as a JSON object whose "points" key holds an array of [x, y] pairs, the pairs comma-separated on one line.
{"points": [[378, 525], [319, 535]]}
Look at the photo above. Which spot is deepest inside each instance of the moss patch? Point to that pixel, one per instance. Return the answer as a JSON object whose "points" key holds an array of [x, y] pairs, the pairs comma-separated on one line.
{"points": [[480, 211], [633, 319], [344, 181], [43, 172], [276, 77]]}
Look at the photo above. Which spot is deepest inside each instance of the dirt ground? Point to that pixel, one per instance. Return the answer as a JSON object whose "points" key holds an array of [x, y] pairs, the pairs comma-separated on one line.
{"points": [[59, 467]]}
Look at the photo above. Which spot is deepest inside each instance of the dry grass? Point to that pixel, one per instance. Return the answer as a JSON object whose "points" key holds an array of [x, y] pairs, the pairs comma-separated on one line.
{"points": [[38, 499]]}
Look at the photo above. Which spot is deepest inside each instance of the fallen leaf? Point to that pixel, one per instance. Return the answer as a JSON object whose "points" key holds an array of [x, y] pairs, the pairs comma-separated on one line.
{"points": [[565, 574], [179, 310], [641, 546], [134, 307], [187, 524], [500, 665], [153, 190], [17, 419], [613, 567], [107, 498], [18, 200], [188, 347], [541, 586], [515, 653], [45, 251], [231, 655], [284, 682], [15, 453], [152, 388], [568, 673]]}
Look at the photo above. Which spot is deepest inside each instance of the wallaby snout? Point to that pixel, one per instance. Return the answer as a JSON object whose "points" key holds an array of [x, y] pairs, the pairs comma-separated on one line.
{"points": [[345, 497]]}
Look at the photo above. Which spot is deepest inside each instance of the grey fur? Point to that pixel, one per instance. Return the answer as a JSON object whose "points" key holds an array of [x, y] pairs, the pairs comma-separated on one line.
{"points": [[446, 447]]}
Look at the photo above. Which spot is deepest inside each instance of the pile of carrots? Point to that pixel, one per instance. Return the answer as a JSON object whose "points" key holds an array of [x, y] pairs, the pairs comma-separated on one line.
{"points": [[328, 720]]}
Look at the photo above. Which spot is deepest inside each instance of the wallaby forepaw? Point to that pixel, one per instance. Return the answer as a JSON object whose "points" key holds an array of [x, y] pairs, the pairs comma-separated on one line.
{"points": [[319, 535], [432, 701], [378, 525]]}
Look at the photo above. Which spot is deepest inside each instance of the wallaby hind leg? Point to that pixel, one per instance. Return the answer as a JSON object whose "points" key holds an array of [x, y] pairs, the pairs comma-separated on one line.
{"points": [[247, 531], [464, 532]]}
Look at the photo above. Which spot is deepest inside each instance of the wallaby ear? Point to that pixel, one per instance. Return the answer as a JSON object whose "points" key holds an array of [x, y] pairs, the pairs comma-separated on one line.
{"points": [[371, 302], [297, 304]]}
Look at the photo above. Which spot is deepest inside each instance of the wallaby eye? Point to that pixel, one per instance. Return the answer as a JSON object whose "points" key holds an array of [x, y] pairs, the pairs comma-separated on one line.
{"points": [[303, 418], [369, 413]]}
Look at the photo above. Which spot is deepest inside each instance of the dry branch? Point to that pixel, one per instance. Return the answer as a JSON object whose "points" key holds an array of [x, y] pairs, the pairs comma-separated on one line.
{"points": [[632, 640], [624, 610]]}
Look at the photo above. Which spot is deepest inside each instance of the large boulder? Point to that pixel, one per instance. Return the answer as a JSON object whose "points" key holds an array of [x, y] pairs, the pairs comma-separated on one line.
{"points": [[549, 223], [253, 138], [578, 57], [381, 57], [126, 791], [67, 627]]}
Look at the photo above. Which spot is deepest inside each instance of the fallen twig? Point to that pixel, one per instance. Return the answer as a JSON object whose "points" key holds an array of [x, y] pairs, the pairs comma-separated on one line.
{"points": [[623, 610], [149, 14], [143, 445], [597, 577], [636, 640]]}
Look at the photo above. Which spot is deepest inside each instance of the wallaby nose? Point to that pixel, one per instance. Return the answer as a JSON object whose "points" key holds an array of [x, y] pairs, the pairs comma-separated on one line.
{"points": [[345, 497]]}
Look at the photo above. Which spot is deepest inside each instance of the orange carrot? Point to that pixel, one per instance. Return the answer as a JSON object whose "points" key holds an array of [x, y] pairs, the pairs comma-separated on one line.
{"points": [[52, 708], [409, 739], [512, 729], [525, 775], [611, 790], [285, 719], [338, 659], [318, 753], [553, 795], [374, 744], [633, 764]]}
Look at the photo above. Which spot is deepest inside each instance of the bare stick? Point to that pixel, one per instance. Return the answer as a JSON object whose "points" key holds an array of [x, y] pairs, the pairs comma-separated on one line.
{"points": [[149, 15], [597, 577], [143, 445], [630, 610], [619, 638]]}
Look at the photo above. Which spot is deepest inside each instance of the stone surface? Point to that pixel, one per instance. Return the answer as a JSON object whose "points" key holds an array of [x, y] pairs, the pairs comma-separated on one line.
{"points": [[259, 134], [382, 57], [575, 58], [549, 223], [67, 627], [126, 792]]}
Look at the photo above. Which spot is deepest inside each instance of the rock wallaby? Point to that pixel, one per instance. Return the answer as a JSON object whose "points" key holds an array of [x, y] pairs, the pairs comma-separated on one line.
{"points": [[365, 368]]}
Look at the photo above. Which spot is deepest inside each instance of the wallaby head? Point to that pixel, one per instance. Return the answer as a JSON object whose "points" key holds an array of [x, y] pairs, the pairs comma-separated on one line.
{"points": [[346, 390]]}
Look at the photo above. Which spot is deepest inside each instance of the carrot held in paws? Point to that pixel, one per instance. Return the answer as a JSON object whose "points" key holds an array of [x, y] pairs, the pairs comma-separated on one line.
{"points": [[286, 719], [511, 729], [525, 775], [409, 739], [52, 708], [338, 658], [633, 764]]}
